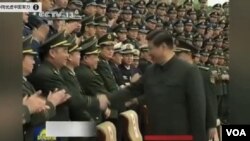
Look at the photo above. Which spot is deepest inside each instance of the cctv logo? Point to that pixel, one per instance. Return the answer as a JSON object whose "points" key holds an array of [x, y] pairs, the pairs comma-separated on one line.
{"points": [[236, 132]]}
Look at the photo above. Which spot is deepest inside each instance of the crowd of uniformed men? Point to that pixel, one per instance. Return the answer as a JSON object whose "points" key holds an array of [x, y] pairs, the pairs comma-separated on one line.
{"points": [[75, 63]]}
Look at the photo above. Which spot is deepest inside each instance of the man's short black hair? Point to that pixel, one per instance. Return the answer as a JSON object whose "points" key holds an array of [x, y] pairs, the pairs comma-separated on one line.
{"points": [[153, 33], [163, 37]]}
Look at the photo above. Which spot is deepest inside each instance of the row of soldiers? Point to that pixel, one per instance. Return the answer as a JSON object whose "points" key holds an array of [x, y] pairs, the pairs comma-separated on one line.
{"points": [[103, 48]]}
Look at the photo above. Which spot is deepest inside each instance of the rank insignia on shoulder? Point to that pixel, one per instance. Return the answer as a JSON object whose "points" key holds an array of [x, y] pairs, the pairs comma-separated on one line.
{"points": [[56, 72], [204, 68], [95, 73], [212, 79]]}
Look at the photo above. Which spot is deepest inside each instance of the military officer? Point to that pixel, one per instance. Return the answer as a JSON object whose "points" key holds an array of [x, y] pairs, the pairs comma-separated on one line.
{"points": [[188, 26], [121, 32], [198, 41], [181, 12], [204, 58], [112, 13], [106, 44], [36, 109], [115, 62], [191, 14], [90, 81], [151, 8], [137, 16], [178, 27], [90, 7], [101, 26], [225, 78], [188, 4], [151, 22], [201, 28], [213, 17], [135, 64], [172, 13], [127, 51], [80, 102], [88, 28], [201, 17], [53, 54], [85, 72], [73, 24], [133, 29], [142, 35], [218, 41], [203, 6], [141, 6], [217, 73], [189, 37], [185, 53], [196, 57], [161, 10], [145, 59], [101, 8], [126, 14], [208, 44], [172, 84], [75, 4]]}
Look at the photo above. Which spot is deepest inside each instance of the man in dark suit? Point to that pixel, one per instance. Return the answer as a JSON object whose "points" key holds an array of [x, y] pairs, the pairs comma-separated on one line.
{"points": [[185, 52], [39, 110], [173, 90]]}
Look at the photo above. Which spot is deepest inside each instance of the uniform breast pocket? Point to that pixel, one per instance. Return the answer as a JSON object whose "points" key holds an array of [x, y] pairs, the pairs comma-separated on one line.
{"points": [[174, 92]]}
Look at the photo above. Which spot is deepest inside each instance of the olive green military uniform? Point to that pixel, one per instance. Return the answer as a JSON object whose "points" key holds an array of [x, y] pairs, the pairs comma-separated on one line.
{"points": [[31, 121], [104, 68], [107, 76], [34, 120], [211, 99], [91, 83], [223, 99], [47, 77]]}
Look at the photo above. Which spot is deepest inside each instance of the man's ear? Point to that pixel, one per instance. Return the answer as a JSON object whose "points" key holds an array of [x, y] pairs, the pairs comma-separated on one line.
{"points": [[52, 52], [70, 57]]}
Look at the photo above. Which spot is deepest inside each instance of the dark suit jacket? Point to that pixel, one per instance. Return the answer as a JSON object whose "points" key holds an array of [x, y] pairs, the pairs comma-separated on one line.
{"points": [[175, 98]]}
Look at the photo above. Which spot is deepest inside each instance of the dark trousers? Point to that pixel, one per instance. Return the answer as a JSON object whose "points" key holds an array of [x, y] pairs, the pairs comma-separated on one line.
{"points": [[223, 111]]}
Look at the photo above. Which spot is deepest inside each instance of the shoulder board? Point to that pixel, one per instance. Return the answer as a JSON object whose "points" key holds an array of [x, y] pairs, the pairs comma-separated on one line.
{"points": [[203, 68], [95, 73]]}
